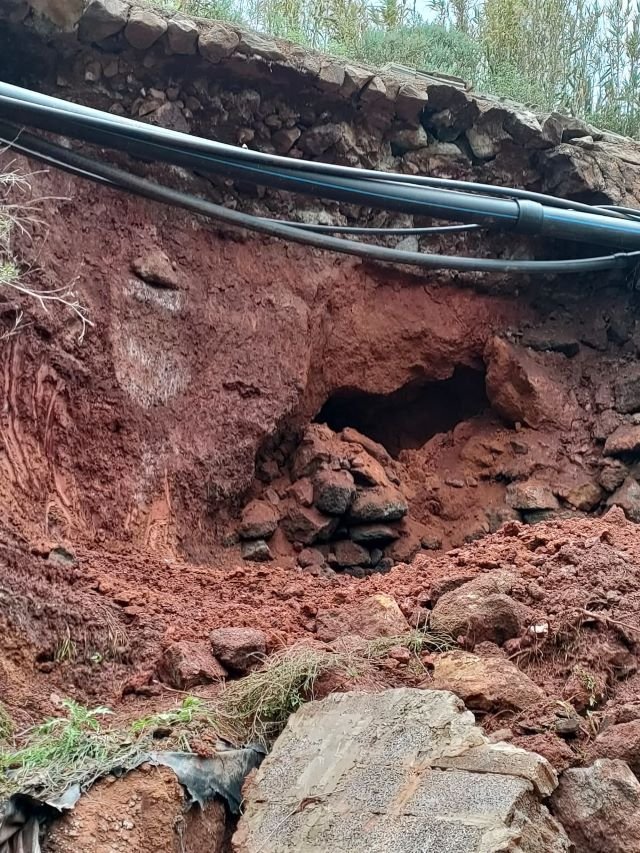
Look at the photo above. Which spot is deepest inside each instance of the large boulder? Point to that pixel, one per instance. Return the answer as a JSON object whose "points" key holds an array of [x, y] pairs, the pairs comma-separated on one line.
{"points": [[185, 664], [259, 520], [383, 503], [599, 807], [396, 772]]}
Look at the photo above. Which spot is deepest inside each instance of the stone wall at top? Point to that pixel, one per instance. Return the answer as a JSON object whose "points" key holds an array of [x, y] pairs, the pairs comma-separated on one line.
{"points": [[225, 82]]}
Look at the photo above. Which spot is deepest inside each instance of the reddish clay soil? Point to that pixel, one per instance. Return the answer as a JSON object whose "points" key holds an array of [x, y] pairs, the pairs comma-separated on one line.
{"points": [[581, 576], [136, 450]]}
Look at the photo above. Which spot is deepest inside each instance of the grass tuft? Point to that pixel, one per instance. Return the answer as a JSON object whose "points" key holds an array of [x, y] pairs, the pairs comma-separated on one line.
{"points": [[80, 747]]}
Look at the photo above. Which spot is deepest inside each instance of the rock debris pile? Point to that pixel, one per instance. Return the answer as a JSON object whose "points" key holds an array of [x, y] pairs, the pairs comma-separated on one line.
{"points": [[339, 504]]}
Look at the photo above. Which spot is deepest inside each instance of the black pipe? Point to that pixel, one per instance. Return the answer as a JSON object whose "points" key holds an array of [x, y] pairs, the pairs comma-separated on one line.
{"points": [[85, 167]]}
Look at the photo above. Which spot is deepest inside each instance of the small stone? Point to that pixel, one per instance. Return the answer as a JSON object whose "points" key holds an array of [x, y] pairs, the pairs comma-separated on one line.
{"points": [[410, 102], [373, 448], [374, 91], [626, 390], [599, 807], [310, 557], [612, 474], [156, 269], [374, 533], [367, 471], [259, 520], [482, 610], [354, 79], [628, 498], [102, 19], [585, 497], [531, 495], [372, 617], [522, 390], [378, 504], [333, 491], [255, 44], [409, 139], [485, 684], [308, 525], [144, 28], [320, 138], [217, 41], [302, 491], [93, 72], [347, 553], [284, 140], [182, 35], [257, 551], [186, 664], [624, 440], [332, 75], [238, 649]]}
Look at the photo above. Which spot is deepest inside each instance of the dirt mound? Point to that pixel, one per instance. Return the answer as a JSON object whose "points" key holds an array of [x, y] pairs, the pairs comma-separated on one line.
{"points": [[579, 578]]}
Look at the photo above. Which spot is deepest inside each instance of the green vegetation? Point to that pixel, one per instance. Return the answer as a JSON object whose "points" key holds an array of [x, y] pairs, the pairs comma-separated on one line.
{"points": [[79, 747], [579, 56]]}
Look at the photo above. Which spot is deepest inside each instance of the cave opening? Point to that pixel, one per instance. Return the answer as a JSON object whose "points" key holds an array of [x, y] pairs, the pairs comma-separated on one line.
{"points": [[407, 418]]}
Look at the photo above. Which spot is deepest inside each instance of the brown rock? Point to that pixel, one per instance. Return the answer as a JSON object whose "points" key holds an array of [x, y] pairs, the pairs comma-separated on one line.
{"points": [[625, 439], [557, 752], [628, 498], [531, 495], [310, 557], [217, 41], [259, 520], [333, 491], [482, 610], [348, 553], [308, 525], [156, 269], [144, 28], [378, 504], [375, 616], [103, 18], [520, 389], [586, 496], [186, 664], [612, 475], [182, 35], [284, 140], [302, 491], [367, 471], [257, 551], [407, 545], [621, 741], [314, 451], [410, 102], [239, 649], [485, 685], [599, 807], [372, 447]]}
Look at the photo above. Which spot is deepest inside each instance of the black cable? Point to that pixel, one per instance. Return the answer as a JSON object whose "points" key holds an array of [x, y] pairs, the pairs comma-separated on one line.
{"points": [[82, 166]]}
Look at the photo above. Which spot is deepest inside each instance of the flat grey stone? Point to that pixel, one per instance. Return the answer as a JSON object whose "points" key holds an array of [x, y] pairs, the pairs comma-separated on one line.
{"points": [[359, 773]]}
